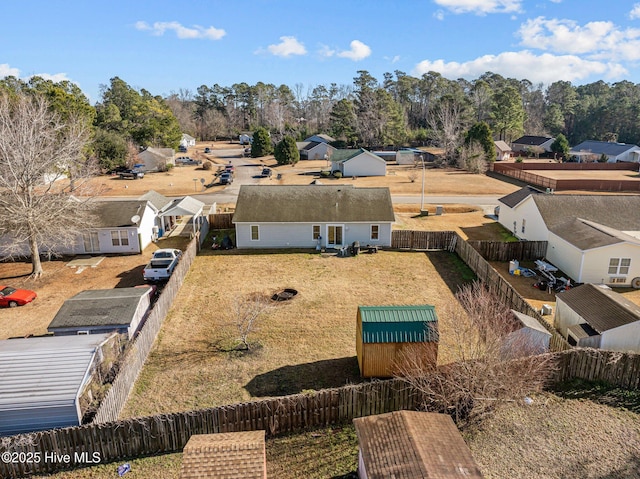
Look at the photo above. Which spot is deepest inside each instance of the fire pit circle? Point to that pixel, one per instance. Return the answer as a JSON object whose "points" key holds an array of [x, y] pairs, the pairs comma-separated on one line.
{"points": [[284, 295]]}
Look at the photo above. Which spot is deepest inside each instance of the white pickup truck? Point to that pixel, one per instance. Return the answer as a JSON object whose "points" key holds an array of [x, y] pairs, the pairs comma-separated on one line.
{"points": [[162, 264]]}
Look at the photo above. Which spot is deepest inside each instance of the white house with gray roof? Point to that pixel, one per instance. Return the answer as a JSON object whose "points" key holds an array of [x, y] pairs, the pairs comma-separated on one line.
{"points": [[612, 151], [274, 216], [315, 150], [42, 381], [597, 317], [358, 162], [591, 238]]}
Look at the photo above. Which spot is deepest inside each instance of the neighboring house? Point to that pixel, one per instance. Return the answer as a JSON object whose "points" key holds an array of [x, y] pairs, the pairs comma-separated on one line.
{"points": [[591, 238], [412, 445], [121, 227], [384, 333], [503, 151], [225, 455], [526, 143], [529, 336], [321, 138], [614, 152], [98, 311], [312, 216], [245, 139], [186, 206], [358, 163], [314, 150], [42, 381], [187, 140], [594, 316], [156, 159]]}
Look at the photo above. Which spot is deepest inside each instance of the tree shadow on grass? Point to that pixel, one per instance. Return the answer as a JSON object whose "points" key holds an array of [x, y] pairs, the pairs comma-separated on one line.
{"points": [[325, 374], [451, 269]]}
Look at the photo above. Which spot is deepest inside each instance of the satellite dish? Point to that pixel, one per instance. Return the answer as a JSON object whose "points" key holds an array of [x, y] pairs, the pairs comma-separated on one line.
{"points": [[135, 219]]}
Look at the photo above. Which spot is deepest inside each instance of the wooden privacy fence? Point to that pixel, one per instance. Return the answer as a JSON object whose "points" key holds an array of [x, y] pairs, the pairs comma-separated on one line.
{"points": [[501, 251], [133, 362], [504, 291], [170, 432], [221, 221], [423, 240], [617, 369]]}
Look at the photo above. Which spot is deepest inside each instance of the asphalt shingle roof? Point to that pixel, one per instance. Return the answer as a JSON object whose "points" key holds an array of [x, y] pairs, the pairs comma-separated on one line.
{"points": [[312, 204], [115, 214], [532, 140], [602, 148], [414, 445], [513, 199], [602, 308], [99, 307]]}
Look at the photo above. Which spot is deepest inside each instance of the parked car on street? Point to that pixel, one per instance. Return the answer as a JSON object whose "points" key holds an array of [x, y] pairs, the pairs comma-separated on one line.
{"points": [[267, 172], [12, 297], [207, 150], [186, 161], [229, 168], [182, 149], [226, 178], [132, 173]]}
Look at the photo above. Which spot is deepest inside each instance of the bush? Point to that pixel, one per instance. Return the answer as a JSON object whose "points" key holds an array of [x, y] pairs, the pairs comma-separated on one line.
{"points": [[325, 173], [337, 174], [519, 160], [207, 165]]}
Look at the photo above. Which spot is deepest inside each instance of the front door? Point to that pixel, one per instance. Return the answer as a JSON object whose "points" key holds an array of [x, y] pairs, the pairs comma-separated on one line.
{"points": [[91, 244], [334, 236]]}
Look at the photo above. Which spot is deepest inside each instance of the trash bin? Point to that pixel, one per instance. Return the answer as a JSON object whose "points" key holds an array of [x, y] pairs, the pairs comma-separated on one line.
{"points": [[355, 248]]}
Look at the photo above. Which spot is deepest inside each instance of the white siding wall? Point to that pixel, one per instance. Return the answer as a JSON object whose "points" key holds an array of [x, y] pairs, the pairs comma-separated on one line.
{"points": [[106, 245], [630, 156], [624, 338], [596, 263], [535, 229], [146, 226], [565, 256], [300, 235], [365, 165], [318, 151], [565, 316]]}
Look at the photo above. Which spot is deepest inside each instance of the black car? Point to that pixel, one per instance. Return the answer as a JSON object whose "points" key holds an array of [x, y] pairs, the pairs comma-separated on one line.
{"points": [[266, 172], [207, 150], [133, 174]]}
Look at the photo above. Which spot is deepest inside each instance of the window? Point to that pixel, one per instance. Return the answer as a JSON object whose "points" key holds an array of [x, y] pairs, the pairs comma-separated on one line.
{"points": [[255, 233], [524, 222], [316, 232], [619, 265], [375, 232], [119, 238]]}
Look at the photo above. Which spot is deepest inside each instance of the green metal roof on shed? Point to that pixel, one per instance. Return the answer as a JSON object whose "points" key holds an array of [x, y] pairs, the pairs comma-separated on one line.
{"points": [[399, 324]]}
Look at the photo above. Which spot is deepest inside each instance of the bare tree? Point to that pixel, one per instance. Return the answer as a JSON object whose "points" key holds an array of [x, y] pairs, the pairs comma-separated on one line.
{"points": [[246, 311], [473, 158], [448, 127], [489, 365], [39, 155]]}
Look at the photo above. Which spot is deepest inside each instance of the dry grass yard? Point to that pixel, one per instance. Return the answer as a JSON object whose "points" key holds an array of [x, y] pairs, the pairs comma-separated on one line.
{"points": [[305, 343]]}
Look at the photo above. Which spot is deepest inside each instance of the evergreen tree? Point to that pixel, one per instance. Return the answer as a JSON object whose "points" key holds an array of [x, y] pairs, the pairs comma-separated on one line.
{"points": [[262, 145], [560, 147], [286, 152], [481, 133]]}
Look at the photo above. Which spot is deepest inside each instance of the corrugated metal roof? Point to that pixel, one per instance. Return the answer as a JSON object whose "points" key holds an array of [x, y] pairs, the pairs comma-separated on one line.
{"points": [[399, 324], [40, 379], [414, 445]]}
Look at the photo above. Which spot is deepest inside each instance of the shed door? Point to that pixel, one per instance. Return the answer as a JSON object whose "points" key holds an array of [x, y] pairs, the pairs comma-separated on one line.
{"points": [[334, 235]]}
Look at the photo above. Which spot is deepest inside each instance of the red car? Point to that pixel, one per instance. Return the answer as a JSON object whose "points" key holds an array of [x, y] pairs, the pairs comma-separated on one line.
{"points": [[12, 297]]}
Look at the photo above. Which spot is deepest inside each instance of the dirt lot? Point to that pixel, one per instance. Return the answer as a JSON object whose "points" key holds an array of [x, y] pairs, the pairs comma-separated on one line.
{"points": [[60, 282]]}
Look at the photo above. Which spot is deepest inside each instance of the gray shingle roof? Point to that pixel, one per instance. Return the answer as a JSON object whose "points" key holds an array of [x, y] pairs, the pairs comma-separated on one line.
{"points": [[602, 308], [583, 235], [513, 199], [156, 199], [99, 307], [414, 445], [602, 148], [312, 203], [114, 214]]}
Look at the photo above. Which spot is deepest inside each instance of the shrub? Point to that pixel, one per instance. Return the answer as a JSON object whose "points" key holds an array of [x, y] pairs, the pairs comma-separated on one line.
{"points": [[519, 160], [207, 165], [337, 174], [325, 173]]}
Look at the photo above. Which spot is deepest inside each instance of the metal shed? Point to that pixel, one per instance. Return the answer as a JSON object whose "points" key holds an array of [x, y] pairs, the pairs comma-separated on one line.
{"points": [[383, 332], [42, 379], [97, 311]]}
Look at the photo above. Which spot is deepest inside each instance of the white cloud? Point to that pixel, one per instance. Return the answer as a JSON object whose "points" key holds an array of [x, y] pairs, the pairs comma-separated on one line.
{"points": [[55, 78], [635, 11], [545, 68], [288, 46], [598, 40], [182, 32], [7, 71], [438, 15], [359, 51], [326, 51], [481, 7]]}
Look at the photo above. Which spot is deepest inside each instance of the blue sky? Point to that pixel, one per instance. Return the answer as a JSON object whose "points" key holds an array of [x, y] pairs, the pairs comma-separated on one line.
{"points": [[164, 46]]}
